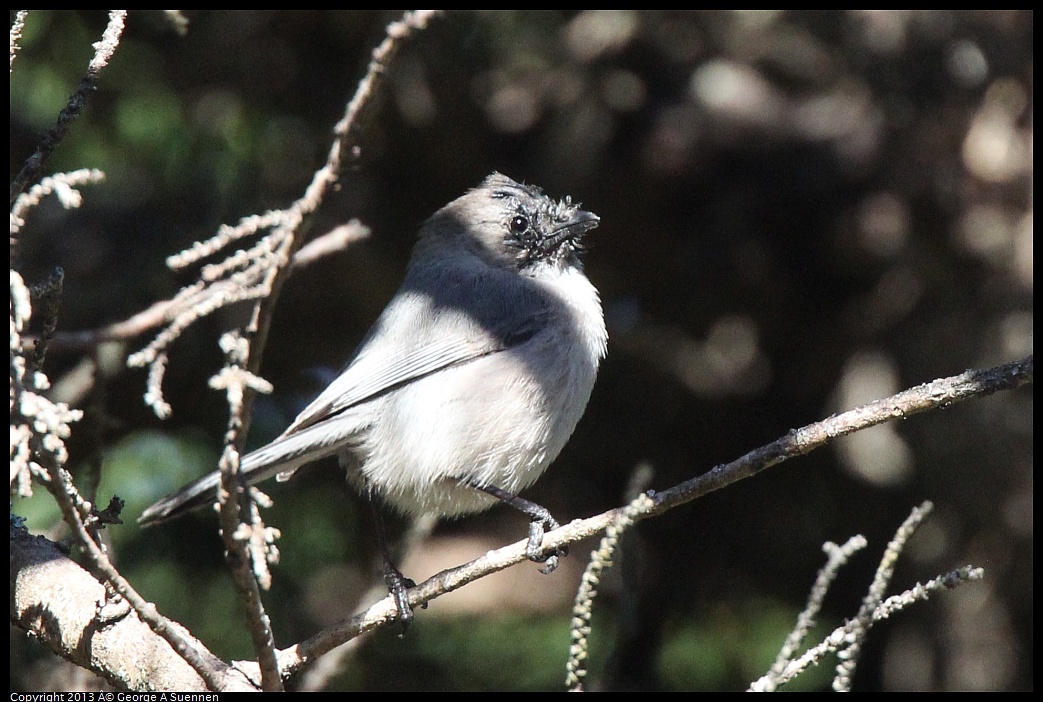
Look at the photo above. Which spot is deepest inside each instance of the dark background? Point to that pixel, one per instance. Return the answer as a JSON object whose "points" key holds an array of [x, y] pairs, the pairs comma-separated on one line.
{"points": [[800, 212]]}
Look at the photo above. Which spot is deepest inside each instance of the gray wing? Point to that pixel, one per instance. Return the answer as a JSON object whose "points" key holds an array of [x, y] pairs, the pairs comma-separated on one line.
{"points": [[429, 327]]}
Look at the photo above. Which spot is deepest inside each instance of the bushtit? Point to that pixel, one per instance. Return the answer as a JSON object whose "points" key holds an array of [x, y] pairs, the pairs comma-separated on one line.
{"points": [[472, 379]]}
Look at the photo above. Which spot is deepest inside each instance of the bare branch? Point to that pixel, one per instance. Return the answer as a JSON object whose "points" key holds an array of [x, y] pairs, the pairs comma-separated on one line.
{"points": [[937, 394], [39, 427], [859, 627], [103, 51], [600, 559], [336, 240], [64, 606], [934, 395], [847, 640], [837, 557], [248, 543], [16, 33], [62, 185]]}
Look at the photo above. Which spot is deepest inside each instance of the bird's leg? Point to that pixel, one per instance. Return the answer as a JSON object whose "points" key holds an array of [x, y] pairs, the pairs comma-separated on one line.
{"points": [[540, 522], [397, 583]]}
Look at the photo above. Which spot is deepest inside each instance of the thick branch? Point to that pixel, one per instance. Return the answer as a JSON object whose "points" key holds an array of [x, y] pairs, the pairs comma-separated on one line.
{"points": [[63, 606]]}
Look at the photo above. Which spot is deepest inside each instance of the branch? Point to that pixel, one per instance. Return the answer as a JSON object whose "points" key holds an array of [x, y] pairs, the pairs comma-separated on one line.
{"points": [[847, 640], [249, 544], [336, 240], [66, 608], [938, 394], [582, 608], [38, 430], [103, 51], [16, 33], [249, 357]]}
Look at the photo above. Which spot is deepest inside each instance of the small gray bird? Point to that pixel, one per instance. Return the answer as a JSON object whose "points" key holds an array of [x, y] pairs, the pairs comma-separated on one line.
{"points": [[471, 381]]}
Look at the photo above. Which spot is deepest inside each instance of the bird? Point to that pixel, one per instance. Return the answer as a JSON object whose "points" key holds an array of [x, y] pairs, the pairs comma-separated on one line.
{"points": [[471, 380]]}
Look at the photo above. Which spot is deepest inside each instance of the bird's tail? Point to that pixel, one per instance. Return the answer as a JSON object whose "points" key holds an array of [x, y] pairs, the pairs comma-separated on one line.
{"points": [[283, 456]]}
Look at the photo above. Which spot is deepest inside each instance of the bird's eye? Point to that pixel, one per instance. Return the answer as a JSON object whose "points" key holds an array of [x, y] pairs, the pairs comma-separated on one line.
{"points": [[519, 224]]}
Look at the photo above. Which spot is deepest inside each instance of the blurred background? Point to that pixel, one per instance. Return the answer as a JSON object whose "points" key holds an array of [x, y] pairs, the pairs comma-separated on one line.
{"points": [[800, 212]]}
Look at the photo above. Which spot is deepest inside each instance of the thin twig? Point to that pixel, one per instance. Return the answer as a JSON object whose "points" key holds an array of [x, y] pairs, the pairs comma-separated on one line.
{"points": [[859, 626], [600, 559], [847, 640], [837, 556], [336, 240], [209, 667], [16, 33], [103, 51], [247, 544]]}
